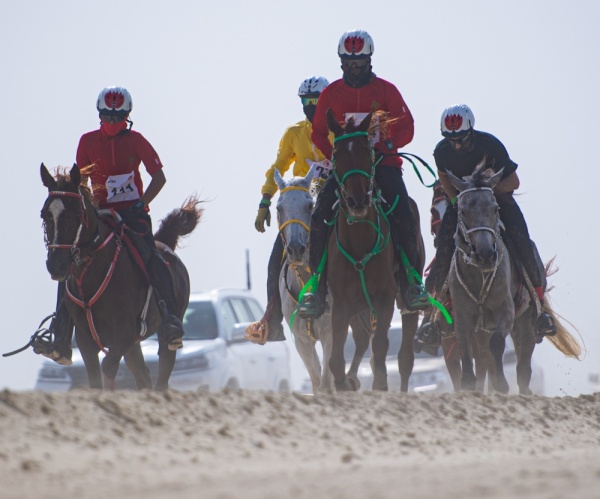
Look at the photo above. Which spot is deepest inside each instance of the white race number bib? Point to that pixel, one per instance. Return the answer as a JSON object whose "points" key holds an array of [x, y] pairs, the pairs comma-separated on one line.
{"points": [[121, 188], [322, 168], [358, 117]]}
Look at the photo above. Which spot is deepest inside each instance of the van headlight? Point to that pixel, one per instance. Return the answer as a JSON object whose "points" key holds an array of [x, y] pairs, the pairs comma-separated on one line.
{"points": [[196, 362]]}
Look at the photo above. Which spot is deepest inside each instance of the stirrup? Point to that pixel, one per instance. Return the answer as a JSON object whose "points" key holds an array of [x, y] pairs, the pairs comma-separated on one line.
{"points": [[257, 332], [43, 342], [428, 338], [544, 325], [310, 307], [417, 298]]}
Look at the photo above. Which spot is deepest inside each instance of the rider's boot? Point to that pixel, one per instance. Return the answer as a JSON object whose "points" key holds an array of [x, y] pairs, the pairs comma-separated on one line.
{"points": [[314, 304], [428, 336], [55, 342], [170, 329], [544, 324]]}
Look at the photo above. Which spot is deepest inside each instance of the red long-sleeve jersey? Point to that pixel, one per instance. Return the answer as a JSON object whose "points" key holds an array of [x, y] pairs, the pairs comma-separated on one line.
{"points": [[378, 94]]}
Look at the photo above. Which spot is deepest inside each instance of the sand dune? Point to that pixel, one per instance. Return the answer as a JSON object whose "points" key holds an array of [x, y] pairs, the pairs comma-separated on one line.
{"points": [[263, 445]]}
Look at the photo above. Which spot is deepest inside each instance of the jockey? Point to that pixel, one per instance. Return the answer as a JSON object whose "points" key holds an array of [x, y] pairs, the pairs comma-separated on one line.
{"points": [[110, 157], [357, 93], [459, 152], [295, 147]]}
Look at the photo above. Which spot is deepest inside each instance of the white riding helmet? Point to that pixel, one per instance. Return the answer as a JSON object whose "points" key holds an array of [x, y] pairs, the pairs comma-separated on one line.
{"points": [[114, 101], [356, 43], [457, 121], [312, 85]]}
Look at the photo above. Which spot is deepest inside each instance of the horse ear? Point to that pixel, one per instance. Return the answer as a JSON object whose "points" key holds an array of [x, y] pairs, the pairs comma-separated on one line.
{"points": [[496, 178], [47, 179], [458, 183], [278, 179], [333, 124], [365, 123], [75, 175], [311, 173]]}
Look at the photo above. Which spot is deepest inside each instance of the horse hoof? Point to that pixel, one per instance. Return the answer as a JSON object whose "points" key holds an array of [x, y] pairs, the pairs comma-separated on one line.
{"points": [[354, 383]]}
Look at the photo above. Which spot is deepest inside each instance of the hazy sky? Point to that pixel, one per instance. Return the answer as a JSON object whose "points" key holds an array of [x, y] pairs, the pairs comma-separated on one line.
{"points": [[214, 87]]}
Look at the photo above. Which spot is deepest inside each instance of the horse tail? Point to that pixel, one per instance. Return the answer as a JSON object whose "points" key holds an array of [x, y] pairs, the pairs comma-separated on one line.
{"points": [[180, 222], [563, 340]]}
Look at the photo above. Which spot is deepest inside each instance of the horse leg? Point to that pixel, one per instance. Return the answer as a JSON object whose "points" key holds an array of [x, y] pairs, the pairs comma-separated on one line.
{"points": [[110, 367], [380, 345], [406, 355], [166, 362], [452, 358], [361, 332], [497, 343], [326, 338], [92, 365], [464, 336], [305, 346], [481, 369], [134, 359], [337, 363], [524, 340]]}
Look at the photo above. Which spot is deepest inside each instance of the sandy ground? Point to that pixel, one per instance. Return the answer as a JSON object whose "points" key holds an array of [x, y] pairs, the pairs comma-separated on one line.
{"points": [[263, 445]]}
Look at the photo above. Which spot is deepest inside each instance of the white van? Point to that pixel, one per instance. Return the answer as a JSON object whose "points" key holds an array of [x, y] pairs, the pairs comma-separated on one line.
{"points": [[215, 354]]}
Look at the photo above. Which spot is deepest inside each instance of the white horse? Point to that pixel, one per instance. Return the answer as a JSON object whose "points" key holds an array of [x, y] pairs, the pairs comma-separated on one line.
{"points": [[294, 208]]}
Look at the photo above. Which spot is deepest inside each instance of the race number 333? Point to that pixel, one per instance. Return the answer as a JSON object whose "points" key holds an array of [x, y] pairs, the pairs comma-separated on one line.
{"points": [[121, 188]]}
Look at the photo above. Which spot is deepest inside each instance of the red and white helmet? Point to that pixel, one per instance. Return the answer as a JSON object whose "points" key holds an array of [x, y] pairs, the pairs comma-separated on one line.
{"points": [[457, 121], [356, 44], [312, 85], [115, 101]]}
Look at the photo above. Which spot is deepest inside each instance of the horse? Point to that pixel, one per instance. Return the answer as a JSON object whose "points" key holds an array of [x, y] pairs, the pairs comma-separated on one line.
{"points": [[110, 299], [294, 208], [485, 283], [361, 263]]}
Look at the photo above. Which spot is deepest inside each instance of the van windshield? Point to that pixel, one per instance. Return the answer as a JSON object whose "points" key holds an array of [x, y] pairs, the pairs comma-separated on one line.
{"points": [[200, 321]]}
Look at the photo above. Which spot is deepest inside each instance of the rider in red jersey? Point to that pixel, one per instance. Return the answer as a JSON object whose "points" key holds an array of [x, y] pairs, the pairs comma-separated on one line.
{"points": [[111, 157], [356, 94]]}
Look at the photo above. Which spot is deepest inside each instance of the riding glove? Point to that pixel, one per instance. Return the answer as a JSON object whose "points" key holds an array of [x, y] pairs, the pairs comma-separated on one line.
{"points": [[264, 214]]}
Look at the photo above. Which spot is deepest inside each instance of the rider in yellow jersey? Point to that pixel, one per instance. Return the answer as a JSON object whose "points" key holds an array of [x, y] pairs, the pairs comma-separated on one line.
{"points": [[296, 147]]}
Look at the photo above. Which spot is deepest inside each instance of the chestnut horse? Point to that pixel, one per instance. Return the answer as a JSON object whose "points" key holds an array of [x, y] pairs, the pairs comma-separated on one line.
{"points": [[110, 299], [361, 263]]}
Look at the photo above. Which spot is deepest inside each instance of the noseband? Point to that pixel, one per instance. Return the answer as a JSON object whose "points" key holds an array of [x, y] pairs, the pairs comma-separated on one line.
{"points": [[466, 233]]}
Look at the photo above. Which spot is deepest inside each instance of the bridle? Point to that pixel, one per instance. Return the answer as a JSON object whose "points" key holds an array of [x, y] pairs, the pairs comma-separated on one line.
{"points": [[488, 276], [343, 192], [468, 255], [302, 224], [76, 245]]}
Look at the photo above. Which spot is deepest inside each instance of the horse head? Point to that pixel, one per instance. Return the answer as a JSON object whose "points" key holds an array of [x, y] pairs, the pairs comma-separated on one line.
{"points": [[479, 223], [65, 220], [353, 163], [294, 208]]}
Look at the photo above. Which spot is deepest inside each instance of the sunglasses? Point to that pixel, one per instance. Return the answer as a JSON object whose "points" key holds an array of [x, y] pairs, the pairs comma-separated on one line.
{"points": [[360, 63], [461, 141], [309, 101]]}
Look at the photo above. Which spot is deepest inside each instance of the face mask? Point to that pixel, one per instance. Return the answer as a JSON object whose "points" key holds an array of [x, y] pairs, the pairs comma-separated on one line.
{"points": [[309, 111], [357, 76], [112, 129]]}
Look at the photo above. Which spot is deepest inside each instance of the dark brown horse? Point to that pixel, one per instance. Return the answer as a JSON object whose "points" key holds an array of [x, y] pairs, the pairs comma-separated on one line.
{"points": [[110, 299], [361, 264]]}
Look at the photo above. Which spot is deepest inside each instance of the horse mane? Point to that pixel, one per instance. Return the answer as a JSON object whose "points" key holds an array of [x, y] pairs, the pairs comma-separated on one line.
{"points": [[63, 179], [484, 171], [380, 123]]}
